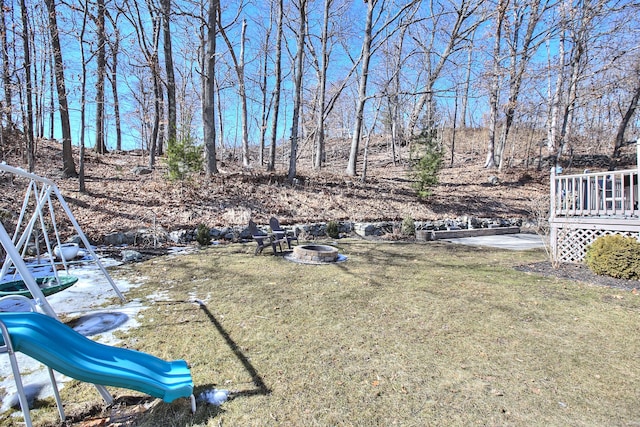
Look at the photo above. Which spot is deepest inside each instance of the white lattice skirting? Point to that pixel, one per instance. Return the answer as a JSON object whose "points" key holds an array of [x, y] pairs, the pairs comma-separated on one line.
{"points": [[571, 243]]}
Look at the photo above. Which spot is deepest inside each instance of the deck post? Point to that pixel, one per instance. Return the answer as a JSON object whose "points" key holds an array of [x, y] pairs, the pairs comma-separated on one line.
{"points": [[553, 231]]}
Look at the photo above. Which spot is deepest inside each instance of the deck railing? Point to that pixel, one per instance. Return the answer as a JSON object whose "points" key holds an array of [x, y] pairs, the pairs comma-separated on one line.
{"points": [[595, 194]]}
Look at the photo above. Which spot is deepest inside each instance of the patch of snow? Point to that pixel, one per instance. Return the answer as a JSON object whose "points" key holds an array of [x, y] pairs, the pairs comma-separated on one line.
{"points": [[215, 396]]}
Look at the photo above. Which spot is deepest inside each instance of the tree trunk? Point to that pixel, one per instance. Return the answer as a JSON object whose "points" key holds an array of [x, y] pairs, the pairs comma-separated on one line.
{"points": [[209, 88], [362, 90], [28, 126], [100, 145], [83, 97], [115, 47], [264, 81], [6, 73], [155, 130], [276, 90], [624, 122], [320, 155], [554, 108], [52, 104], [243, 98], [68, 165], [467, 85], [297, 100], [171, 81], [494, 92]]}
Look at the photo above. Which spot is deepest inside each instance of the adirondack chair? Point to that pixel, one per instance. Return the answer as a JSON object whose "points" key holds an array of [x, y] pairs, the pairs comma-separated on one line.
{"points": [[280, 233], [263, 239]]}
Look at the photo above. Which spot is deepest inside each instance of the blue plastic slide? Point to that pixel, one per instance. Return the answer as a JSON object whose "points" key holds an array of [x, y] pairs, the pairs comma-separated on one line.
{"points": [[64, 350]]}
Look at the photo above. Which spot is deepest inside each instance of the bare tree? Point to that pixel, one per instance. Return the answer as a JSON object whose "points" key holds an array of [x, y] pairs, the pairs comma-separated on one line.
{"points": [[149, 46], [28, 125], [68, 165], [619, 140], [276, 90], [263, 86], [83, 94], [468, 16], [238, 61], [100, 144], [297, 100], [322, 86], [520, 52], [114, 49], [467, 82], [209, 86], [169, 70], [494, 91], [365, 58], [6, 72]]}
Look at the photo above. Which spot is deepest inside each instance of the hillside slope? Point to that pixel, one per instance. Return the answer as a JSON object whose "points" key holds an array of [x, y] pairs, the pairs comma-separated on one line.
{"points": [[119, 199]]}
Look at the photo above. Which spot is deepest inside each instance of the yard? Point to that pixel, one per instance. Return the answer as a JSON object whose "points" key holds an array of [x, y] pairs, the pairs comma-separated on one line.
{"points": [[399, 334]]}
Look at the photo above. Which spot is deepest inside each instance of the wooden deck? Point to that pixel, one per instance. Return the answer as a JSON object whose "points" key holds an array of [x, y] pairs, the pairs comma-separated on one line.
{"points": [[588, 205]]}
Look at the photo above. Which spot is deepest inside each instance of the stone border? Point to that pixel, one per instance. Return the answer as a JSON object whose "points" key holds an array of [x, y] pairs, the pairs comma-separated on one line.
{"points": [[424, 230]]}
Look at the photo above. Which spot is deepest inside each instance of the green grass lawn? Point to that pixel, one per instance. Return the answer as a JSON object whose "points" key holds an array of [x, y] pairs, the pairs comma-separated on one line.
{"points": [[399, 334]]}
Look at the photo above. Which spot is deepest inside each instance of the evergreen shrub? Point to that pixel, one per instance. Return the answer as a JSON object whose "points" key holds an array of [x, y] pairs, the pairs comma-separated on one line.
{"points": [[333, 229], [408, 227], [614, 255], [203, 235]]}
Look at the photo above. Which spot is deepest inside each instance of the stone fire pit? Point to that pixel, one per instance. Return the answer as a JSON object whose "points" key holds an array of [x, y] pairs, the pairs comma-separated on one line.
{"points": [[315, 254]]}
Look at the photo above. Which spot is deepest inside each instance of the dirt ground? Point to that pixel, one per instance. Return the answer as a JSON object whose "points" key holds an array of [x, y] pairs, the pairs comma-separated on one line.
{"points": [[581, 273], [119, 198]]}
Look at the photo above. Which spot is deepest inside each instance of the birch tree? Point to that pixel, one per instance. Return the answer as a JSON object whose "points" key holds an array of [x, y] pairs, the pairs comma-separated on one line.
{"points": [[239, 64]]}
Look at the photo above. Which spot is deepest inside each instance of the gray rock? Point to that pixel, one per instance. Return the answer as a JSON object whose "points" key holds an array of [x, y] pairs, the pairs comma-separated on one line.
{"points": [[130, 255], [114, 239], [141, 170], [181, 236]]}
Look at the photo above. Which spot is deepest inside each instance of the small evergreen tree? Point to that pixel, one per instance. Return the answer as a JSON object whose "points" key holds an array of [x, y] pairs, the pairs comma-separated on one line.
{"points": [[426, 162], [333, 229], [183, 156], [203, 235]]}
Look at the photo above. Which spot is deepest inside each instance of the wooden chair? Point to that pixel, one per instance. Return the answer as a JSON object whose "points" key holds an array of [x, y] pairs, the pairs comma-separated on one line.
{"points": [[280, 233], [263, 239]]}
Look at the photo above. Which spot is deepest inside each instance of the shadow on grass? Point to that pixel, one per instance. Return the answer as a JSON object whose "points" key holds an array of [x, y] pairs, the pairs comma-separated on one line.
{"points": [[260, 386]]}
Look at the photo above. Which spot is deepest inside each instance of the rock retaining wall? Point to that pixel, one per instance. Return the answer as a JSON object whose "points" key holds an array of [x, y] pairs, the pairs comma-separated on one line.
{"points": [[150, 237]]}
